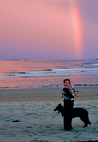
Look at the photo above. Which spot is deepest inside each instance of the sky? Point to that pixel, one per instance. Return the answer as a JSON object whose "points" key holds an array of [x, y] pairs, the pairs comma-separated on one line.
{"points": [[48, 29]]}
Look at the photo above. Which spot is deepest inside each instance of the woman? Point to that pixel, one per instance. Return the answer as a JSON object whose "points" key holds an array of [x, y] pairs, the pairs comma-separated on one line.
{"points": [[68, 95]]}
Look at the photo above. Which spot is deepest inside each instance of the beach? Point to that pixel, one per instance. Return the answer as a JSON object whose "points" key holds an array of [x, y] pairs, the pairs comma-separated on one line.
{"points": [[27, 115]]}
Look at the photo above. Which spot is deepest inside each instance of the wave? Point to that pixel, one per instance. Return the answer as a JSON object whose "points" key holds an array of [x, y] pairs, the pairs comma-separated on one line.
{"points": [[52, 73], [95, 64], [91, 68], [47, 70]]}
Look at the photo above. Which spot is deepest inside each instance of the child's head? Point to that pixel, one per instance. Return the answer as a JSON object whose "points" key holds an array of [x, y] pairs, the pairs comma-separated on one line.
{"points": [[66, 82]]}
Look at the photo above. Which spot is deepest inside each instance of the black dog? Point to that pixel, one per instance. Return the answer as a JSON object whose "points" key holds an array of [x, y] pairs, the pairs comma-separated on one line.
{"points": [[77, 112]]}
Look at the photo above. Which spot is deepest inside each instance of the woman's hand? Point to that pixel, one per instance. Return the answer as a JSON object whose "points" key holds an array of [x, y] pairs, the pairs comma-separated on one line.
{"points": [[75, 93]]}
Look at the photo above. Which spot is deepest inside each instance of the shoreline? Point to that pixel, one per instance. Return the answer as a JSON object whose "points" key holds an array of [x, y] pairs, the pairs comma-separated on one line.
{"points": [[48, 86]]}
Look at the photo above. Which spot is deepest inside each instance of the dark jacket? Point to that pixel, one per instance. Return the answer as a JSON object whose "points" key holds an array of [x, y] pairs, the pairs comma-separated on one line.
{"points": [[67, 93]]}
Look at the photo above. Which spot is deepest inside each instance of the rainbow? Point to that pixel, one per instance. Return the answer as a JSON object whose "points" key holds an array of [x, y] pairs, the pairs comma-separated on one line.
{"points": [[77, 28]]}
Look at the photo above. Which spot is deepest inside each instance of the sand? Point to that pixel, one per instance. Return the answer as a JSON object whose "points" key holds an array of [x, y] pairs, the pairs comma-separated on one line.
{"points": [[36, 120]]}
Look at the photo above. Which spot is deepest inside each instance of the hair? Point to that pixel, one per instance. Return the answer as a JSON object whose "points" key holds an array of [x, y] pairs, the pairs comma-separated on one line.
{"points": [[66, 80]]}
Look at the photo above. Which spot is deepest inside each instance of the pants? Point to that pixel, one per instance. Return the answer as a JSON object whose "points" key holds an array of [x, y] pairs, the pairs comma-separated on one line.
{"points": [[68, 112]]}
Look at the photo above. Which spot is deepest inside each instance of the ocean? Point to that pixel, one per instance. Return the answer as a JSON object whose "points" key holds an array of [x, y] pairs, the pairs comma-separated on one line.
{"points": [[47, 73]]}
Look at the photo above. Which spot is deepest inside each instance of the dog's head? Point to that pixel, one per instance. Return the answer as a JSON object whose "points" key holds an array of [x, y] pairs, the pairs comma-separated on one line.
{"points": [[59, 108]]}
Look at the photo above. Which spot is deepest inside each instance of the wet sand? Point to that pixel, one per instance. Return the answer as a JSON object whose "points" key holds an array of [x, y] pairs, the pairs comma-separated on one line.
{"points": [[33, 108]]}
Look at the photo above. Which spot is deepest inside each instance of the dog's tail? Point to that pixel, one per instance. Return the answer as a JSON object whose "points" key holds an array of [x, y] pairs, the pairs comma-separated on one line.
{"points": [[89, 122]]}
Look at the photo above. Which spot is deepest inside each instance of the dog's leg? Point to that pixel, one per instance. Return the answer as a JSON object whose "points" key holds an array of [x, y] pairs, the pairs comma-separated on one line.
{"points": [[85, 125]]}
